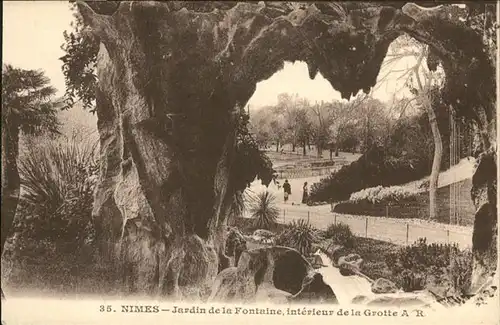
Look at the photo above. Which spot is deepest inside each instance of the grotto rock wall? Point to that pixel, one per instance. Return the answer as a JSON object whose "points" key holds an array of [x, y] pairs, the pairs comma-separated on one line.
{"points": [[173, 77]]}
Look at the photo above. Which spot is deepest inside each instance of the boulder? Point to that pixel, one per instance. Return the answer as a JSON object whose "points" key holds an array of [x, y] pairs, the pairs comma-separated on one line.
{"points": [[263, 233], [382, 285], [316, 261], [273, 274], [314, 290], [350, 264], [235, 244], [263, 236], [331, 249]]}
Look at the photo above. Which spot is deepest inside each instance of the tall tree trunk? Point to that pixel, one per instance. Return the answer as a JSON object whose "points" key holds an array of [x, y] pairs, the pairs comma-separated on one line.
{"points": [[277, 145], [10, 178], [436, 164], [304, 148], [320, 150], [293, 146], [336, 151]]}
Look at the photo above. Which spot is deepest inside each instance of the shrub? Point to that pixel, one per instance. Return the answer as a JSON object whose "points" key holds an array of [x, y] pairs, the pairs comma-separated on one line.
{"points": [[380, 194], [412, 281], [375, 167], [424, 185], [419, 262], [263, 210], [300, 235], [341, 234], [58, 179], [460, 270]]}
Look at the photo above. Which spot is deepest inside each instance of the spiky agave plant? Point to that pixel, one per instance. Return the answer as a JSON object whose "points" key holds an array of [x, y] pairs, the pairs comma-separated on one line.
{"points": [[58, 179], [263, 210], [300, 235]]}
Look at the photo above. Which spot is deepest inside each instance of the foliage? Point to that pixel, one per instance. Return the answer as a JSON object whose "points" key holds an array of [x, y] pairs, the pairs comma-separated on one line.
{"points": [[341, 234], [460, 270], [249, 161], [414, 265], [81, 48], [293, 110], [369, 170], [405, 156], [263, 210], [327, 124], [381, 194], [412, 281], [247, 226], [300, 235], [27, 101], [58, 179]]}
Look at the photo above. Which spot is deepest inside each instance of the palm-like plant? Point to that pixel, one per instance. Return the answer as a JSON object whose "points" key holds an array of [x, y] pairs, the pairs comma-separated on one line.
{"points": [[300, 235], [58, 179], [263, 210], [27, 107]]}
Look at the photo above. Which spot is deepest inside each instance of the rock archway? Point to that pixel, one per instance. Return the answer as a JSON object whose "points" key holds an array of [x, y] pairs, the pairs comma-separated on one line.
{"points": [[172, 79]]}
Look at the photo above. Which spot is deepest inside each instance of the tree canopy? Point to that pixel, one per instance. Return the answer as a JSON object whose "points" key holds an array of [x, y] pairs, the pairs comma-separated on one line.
{"points": [[27, 101]]}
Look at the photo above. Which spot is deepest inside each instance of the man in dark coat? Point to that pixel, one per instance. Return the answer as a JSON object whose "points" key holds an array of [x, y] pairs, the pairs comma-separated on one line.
{"points": [[287, 189]]}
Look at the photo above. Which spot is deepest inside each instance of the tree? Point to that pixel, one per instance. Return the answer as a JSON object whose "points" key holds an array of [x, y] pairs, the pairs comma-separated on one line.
{"points": [[260, 126], [301, 127], [293, 110], [425, 99], [321, 120], [364, 114], [422, 90], [28, 107], [81, 48]]}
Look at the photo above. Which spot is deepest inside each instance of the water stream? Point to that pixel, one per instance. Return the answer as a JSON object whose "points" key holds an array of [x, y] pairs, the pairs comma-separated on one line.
{"points": [[346, 288]]}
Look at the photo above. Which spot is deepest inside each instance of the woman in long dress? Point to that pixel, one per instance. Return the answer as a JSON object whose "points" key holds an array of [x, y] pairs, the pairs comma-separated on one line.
{"points": [[305, 193]]}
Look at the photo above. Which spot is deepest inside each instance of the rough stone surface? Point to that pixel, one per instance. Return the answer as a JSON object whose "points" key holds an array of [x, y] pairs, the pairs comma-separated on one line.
{"points": [[350, 264], [235, 245], [275, 274], [263, 233], [172, 79], [382, 285]]}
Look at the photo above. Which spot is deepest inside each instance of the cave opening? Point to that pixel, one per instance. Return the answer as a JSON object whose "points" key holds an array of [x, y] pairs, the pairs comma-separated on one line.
{"points": [[227, 54]]}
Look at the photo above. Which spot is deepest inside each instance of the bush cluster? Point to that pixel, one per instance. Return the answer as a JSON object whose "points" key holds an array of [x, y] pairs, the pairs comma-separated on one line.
{"points": [[341, 234], [380, 194], [414, 266], [57, 185], [374, 168], [300, 235]]}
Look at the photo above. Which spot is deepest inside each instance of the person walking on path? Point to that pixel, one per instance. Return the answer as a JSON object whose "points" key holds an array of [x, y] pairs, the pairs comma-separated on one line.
{"points": [[305, 193], [287, 189]]}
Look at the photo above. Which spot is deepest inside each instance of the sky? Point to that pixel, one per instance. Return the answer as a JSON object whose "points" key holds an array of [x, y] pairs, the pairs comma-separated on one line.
{"points": [[294, 78], [33, 34]]}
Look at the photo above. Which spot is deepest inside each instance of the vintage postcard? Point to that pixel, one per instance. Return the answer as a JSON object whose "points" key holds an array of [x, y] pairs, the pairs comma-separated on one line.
{"points": [[226, 162]]}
